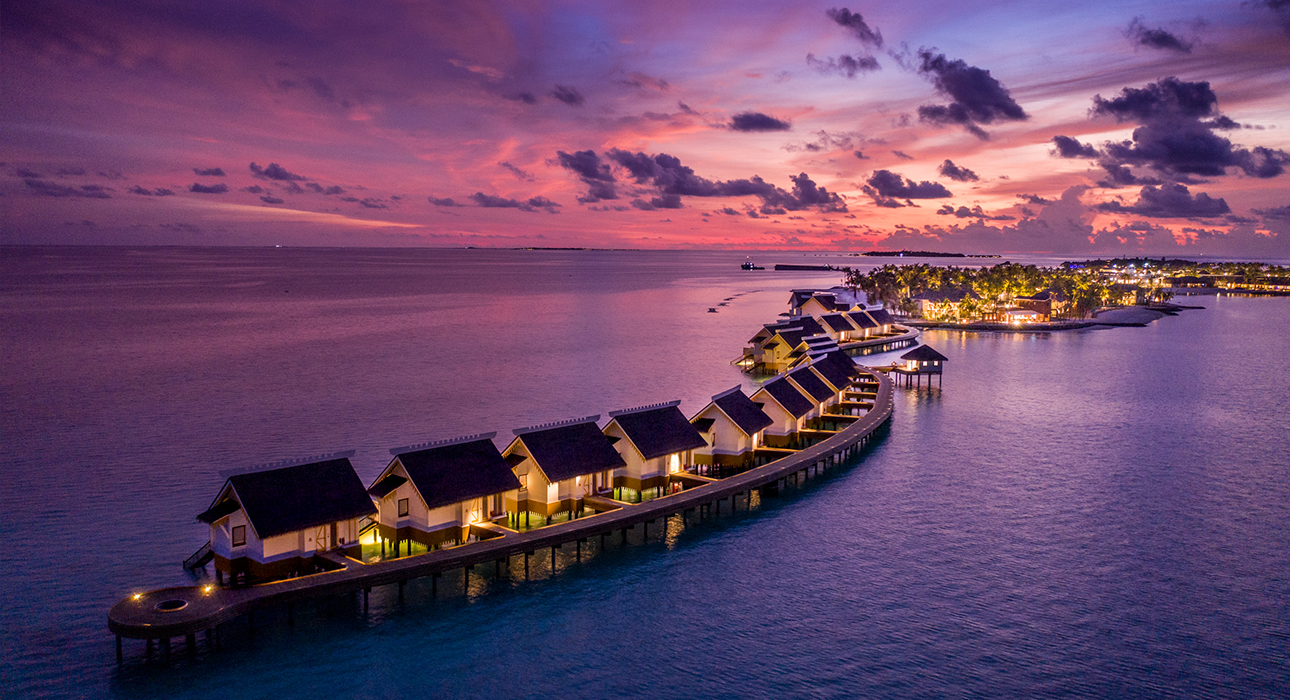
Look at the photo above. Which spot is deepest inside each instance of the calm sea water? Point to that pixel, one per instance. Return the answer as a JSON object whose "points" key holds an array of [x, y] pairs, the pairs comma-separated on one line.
{"points": [[1102, 513]]}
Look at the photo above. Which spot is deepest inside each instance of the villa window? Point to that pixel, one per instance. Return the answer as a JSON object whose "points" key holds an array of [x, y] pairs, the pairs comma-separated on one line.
{"points": [[524, 482], [239, 535], [403, 507]]}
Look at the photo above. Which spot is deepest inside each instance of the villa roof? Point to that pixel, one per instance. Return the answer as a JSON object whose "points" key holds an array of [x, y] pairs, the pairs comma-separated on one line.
{"points": [[746, 415], [862, 320], [811, 383], [788, 396], [834, 372], [659, 431], [458, 472], [838, 322], [791, 336], [278, 501], [809, 325], [881, 316], [924, 353], [570, 450]]}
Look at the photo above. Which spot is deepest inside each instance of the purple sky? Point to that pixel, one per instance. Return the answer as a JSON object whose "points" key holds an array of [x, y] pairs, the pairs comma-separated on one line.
{"points": [[1095, 127]]}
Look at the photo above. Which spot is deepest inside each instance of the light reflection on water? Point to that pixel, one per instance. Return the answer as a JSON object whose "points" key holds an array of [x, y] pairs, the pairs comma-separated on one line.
{"points": [[1090, 513]]}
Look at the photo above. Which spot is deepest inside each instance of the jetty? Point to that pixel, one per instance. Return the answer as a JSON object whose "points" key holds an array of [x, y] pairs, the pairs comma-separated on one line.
{"points": [[184, 611]]}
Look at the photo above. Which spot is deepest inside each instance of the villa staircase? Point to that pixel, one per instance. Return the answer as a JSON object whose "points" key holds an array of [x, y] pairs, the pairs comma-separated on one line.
{"points": [[200, 558]]}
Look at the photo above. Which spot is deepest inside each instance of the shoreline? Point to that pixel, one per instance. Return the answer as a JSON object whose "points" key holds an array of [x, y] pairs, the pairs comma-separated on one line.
{"points": [[1121, 317]]}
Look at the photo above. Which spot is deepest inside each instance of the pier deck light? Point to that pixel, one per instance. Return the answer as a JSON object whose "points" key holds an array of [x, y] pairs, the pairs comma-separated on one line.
{"points": [[138, 596]]}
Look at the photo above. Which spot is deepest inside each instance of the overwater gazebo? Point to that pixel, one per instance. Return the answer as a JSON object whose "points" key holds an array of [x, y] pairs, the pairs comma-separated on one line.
{"points": [[920, 361]]}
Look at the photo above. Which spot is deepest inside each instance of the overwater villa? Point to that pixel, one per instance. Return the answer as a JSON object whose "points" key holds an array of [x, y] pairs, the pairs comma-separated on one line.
{"points": [[558, 465], [432, 493], [835, 370], [883, 319], [732, 426], [920, 361], [269, 524], [814, 388], [655, 442], [787, 407], [812, 302], [839, 326]]}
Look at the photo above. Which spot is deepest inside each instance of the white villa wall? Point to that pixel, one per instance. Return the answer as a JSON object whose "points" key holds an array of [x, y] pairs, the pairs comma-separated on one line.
{"points": [[785, 423]]}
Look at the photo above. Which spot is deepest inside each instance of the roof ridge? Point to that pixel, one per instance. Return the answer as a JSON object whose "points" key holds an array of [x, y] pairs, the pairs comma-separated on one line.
{"points": [[556, 424], [727, 392], [443, 442], [294, 462], [638, 409]]}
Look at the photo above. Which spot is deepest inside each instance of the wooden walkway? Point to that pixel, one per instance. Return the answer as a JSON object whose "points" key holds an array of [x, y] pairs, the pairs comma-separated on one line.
{"points": [[186, 610]]}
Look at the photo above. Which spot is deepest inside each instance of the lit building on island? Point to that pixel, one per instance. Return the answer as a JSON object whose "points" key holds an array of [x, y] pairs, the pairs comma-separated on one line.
{"points": [[655, 442], [733, 427], [558, 465]]}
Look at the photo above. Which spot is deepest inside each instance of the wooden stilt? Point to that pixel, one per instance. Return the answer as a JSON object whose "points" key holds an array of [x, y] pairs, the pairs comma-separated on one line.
{"points": [[190, 640], [553, 558], [401, 585], [367, 592], [165, 650], [526, 565]]}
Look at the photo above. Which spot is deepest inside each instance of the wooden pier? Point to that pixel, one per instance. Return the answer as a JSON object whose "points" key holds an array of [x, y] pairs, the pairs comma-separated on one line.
{"points": [[168, 613]]}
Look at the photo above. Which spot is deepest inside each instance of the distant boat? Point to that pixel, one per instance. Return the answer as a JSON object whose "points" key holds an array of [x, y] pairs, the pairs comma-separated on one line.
{"points": [[748, 265], [712, 309]]}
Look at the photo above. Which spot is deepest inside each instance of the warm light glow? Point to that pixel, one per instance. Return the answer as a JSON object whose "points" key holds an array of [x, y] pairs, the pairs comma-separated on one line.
{"points": [[207, 589], [137, 596]]}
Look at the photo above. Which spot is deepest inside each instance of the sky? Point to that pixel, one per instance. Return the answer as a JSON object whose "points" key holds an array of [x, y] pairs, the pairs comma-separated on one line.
{"points": [[976, 127]]}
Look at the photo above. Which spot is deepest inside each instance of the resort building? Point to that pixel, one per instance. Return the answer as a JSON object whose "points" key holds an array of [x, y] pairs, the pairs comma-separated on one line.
{"points": [[655, 442], [939, 304], [837, 371], [432, 493], [559, 464], [1046, 304], [269, 524], [787, 407], [732, 426], [883, 319], [813, 388], [840, 327], [922, 360], [813, 302], [864, 324], [1016, 315]]}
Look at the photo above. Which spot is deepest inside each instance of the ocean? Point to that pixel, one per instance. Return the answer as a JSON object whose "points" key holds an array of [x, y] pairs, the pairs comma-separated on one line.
{"points": [[1096, 513]]}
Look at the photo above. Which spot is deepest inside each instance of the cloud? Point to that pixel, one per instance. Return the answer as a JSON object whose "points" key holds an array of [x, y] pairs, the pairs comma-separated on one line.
{"points": [[856, 25], [25, 173], [517, 172], [1140, 35], [490, 201], [267, 199], [209, 172], [975, 212], [842, 65], [860, 154], [728, 211], [1169, 201], [1174, 140], [159, 192], [1034, 199], [597, 175], [315, 187], [902, 155], [1282, 213], [527, 98], [1068, 147], [568, 95], [372, 203], [44, 188], [255, 189], [756, 121], [667, 201], [71, 172], [888, 184], [444, 202], [1281, 8], [199, 188], [976, 96], [274, 172], [825, 142], [641, 81], [956, 173]]}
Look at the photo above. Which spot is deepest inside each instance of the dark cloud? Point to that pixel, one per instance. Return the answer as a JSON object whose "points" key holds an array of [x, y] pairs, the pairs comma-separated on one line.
{"points": [[976, 97], [1034, 199], [860, 154], [45, 188], [956, 173], [354, 199], [597, 175], [568, 95], [902, 155], [199, 188], [159, 192], [495, 202], [444, 202], [667, 201], [641, 81], [268, 199], [824, 142], [527, 98], [888, 184], [842, 65], [315, 187], [1174, 140], [110, 174], [71, 172], [255, 189], [728, 211], [517, 172], [1281, 8], [1068, 147], [975, 212], [1169, 202], [372, 203], [291, 187], [756, 121], [1140, 35], [274, 172], [209, 172], [1282, 213], [23, 172], [856, 25]]}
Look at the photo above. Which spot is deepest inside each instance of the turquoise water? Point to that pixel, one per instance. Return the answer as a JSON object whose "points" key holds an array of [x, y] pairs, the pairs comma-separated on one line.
{"points": [[1099, 513]]}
